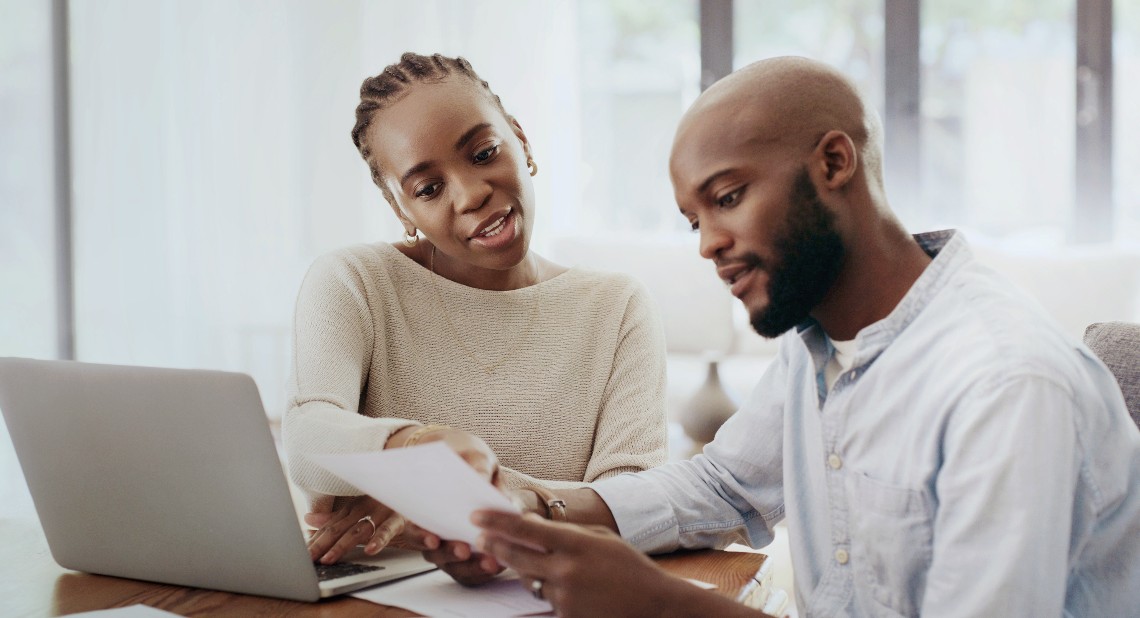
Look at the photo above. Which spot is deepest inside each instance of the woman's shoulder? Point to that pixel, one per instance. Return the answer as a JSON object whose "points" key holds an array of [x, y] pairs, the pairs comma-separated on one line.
{"points": [[358, 266], [362, 257], [610, 286]]}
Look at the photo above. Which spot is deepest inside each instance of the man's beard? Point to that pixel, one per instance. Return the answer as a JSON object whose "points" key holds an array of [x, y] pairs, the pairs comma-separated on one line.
{"points": [[810, 255]]}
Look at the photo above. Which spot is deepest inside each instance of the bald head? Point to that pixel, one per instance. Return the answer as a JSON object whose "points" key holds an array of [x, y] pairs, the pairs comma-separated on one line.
{"points": [[789, 102]]}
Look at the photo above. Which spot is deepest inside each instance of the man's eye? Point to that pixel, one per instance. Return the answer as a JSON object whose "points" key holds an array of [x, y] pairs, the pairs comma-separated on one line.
{"points": [[728, 199], [428, 190], [483, 155]]}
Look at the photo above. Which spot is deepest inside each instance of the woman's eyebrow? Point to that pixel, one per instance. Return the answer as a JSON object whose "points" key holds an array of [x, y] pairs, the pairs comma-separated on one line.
{"points": [[415, 169], [466, 137]]}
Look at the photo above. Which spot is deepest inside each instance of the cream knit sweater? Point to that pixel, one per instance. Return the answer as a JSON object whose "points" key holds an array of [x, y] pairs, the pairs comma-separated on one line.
{"points": [[575, 391]]}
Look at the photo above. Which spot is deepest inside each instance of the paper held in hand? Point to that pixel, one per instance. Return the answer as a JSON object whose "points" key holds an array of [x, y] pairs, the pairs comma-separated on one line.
{"points": [[430, 485]]}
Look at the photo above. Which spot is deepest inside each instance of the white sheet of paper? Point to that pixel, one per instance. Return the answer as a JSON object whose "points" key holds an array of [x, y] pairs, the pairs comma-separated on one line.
{"points": [[429, 485], [436, 594], [700, 584], [130, 611]]}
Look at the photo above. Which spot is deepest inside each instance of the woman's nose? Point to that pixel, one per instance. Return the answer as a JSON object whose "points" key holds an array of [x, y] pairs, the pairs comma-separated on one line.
{"points": [[472, 191]]}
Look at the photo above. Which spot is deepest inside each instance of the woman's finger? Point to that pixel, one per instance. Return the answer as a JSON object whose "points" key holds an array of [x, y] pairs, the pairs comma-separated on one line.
{"points": [[419, 539], [469, 572], [316, 520], [526, 529], [385, 532], [355, 534], [320, 511], [524, 559], [339, 523], [464, 566]]}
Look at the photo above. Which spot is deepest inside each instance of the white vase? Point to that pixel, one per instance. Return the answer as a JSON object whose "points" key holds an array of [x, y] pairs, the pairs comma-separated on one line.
{"points": [[703, 414]]}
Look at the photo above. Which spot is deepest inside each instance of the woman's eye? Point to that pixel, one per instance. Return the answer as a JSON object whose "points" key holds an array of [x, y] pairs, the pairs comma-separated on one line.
{"points": [[483, 155], [729, 198], [428, 190]]}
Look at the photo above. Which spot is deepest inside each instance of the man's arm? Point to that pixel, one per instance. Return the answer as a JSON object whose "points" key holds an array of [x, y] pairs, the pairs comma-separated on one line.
{"points": [[732, 492]]}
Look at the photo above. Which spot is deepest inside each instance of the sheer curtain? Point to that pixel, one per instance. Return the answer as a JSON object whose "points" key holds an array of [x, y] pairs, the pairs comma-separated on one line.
{"points": [[27, 184], [212, 157]]}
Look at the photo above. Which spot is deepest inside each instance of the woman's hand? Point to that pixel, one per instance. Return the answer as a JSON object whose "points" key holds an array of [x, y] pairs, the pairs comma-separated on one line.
{"points": [[455, 558], [467, 445], [341, 525]]}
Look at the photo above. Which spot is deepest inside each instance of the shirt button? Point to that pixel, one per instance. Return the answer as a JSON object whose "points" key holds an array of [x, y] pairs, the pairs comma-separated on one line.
{"points": [[834, 461], [841, 556]]}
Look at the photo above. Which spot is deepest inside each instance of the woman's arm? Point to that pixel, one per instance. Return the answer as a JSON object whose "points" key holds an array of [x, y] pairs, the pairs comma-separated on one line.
{"points": [[334, 336], [630, 434]]}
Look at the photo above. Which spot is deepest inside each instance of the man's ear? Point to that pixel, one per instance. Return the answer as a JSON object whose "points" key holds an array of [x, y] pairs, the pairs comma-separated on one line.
{"points": [[835, 160]]}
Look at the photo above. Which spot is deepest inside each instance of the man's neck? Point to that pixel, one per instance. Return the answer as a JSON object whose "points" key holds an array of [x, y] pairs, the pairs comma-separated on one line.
{"points": [[879, 269]]}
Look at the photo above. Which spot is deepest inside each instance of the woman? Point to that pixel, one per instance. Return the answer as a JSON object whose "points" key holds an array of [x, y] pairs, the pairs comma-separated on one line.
{"points": [[461, 332]]}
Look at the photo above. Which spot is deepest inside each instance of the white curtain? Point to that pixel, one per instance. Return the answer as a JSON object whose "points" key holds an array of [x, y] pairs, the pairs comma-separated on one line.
{"points": [[212, 158]]}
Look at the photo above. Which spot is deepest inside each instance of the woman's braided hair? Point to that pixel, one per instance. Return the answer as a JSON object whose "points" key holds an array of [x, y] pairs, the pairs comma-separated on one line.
{"points": [[393, 82]]}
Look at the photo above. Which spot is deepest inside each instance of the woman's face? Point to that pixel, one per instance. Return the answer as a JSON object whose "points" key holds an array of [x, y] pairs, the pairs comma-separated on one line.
{"points": [[457, 169]]}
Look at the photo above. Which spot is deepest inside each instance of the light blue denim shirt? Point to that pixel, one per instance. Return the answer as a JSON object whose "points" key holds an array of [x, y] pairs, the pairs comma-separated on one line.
{"points": [[974, 461]]}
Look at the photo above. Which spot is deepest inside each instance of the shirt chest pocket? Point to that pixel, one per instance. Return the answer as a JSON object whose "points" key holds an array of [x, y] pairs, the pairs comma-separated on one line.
{"points": [[891, 542]]}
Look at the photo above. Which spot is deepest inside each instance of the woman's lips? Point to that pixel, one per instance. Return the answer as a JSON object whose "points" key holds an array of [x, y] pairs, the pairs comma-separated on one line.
{"points": [[498, 233]]}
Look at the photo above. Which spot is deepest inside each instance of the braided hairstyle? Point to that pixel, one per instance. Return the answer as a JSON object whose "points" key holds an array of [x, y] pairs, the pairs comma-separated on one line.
{"points": [[394, 82]]}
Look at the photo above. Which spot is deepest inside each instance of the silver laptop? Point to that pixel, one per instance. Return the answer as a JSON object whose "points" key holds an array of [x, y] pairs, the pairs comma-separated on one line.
{"points": [[167, 475]]}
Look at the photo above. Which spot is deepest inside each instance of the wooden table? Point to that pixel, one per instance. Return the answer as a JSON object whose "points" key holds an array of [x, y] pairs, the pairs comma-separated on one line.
{"points": [[32, 584]]}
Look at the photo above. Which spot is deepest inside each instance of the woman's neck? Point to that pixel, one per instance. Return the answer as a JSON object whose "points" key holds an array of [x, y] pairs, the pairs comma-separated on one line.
{"points": [[529, 271]]}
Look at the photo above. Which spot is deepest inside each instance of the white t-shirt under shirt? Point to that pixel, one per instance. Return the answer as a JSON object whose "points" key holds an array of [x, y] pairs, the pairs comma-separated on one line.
{"points": [[842, 356]]}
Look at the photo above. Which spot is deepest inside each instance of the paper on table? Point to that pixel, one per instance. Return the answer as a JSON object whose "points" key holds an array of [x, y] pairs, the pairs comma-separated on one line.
{"points": [[429, 485], [436, 594], [130, 611]]}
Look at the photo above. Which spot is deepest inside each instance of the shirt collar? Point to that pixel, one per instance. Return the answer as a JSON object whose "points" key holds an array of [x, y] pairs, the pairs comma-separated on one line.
{"points": [[950, 252]]}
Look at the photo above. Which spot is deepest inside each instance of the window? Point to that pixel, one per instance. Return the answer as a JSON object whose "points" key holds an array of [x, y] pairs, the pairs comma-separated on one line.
{"points": [[27, 185], [1126, 123], [997, 109], [640, 69], [847, 35]]}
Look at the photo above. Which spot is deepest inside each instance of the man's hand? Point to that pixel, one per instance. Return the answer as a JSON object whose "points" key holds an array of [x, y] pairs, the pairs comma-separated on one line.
{"points": [[340, 526], [585, 571], [590, 571]]}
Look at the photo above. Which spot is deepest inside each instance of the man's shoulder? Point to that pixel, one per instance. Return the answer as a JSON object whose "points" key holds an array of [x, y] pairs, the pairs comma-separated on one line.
{"points": [[985, 321]]}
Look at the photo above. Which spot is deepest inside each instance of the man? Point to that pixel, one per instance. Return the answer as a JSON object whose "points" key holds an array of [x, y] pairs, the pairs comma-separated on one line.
{"points": [[937, 446]]}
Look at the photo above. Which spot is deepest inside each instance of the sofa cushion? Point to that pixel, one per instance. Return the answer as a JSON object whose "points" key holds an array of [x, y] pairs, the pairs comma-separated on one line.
{"points": [[1118, 345]]}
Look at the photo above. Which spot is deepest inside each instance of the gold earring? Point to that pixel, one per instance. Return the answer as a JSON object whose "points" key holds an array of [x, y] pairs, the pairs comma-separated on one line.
{"points": [[411, 239], [532, 166]]}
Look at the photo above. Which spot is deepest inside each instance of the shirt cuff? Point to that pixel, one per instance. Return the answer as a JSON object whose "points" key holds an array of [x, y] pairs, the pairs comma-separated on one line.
{"points": [[642, 510]]}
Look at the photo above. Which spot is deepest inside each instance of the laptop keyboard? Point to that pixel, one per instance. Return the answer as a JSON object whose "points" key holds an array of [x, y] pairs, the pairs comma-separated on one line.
{"points": [[326, 572]]}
